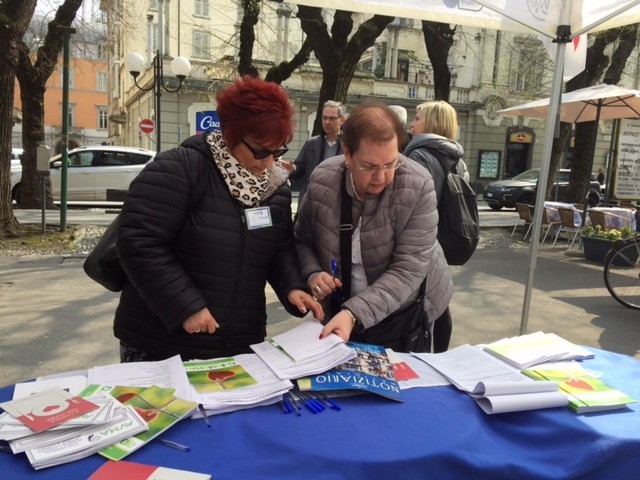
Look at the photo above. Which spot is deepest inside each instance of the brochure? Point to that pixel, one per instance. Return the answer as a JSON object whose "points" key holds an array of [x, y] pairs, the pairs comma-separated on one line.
{"points": [[158, 407], [125, 470], [585, 392], [46, 409], [370, 371]]}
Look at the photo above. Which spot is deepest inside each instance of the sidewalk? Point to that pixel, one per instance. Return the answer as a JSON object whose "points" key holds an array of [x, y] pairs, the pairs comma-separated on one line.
{"points": [[54, 319]]}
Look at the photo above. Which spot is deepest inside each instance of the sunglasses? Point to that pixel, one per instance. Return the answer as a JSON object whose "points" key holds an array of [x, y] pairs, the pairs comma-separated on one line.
{"points": [[263, 153]]}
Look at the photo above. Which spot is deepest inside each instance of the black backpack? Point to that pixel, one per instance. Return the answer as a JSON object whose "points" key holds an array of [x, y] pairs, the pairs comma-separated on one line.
{"points": [[459, 224]]}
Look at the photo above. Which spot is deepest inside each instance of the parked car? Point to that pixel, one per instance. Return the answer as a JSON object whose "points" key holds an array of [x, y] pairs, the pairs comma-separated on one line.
{"points": [[92, 171], [522, 189]]}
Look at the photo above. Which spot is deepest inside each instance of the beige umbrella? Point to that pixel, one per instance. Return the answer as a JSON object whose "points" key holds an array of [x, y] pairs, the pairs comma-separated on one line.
{"points": [[599, 102]]}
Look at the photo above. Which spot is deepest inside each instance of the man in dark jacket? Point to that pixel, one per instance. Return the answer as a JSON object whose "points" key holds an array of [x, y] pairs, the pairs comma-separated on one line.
{"points": [[318, 148]]}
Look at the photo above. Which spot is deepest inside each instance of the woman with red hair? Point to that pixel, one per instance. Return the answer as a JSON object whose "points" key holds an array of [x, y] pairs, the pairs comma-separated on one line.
{"points": [[203, 228]]}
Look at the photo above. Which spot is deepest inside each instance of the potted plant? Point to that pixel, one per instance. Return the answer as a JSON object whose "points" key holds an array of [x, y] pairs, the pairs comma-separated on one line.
{"points": [[597, 241]]}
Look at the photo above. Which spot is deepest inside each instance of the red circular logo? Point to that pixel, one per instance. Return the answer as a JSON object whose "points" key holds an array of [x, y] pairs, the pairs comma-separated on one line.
{"points": [[146, 125]]}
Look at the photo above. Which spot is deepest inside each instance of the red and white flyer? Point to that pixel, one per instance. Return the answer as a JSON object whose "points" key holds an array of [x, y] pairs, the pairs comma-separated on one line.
{"points": [[44, 410]]}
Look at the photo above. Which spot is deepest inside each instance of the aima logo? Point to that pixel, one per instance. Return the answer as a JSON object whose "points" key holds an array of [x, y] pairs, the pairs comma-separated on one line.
{"points": [[538, 8]]}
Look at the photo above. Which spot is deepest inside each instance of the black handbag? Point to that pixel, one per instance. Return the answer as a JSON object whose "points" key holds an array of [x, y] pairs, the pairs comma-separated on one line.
{"points": [[402, 331], [103, 264]]}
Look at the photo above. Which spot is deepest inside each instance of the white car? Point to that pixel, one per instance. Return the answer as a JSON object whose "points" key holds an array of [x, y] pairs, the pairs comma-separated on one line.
{"points": [[92, 171]]}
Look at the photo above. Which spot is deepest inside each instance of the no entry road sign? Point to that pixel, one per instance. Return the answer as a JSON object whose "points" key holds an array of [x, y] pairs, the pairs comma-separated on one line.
{"points": [[146, 126]]}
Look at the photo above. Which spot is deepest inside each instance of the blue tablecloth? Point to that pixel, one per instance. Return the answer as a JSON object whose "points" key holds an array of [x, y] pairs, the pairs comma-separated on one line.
{"points": [[435, 433]]}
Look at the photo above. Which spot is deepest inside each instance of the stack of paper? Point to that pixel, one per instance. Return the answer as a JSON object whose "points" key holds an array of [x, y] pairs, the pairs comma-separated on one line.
{"points": [[300, 352], [534, 348], [73, 439], [495, 386], [228, 384]]}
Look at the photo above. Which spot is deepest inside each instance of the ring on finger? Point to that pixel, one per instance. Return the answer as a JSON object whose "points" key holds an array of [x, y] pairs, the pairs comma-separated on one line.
{"points": [[318, 288]]}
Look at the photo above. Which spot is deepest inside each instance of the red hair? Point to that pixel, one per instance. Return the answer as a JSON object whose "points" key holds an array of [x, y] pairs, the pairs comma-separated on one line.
{"points": [[251, 106]]}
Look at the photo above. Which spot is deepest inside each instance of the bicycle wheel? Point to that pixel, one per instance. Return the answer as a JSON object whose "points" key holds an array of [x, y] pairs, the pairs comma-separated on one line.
{"points": [[622, 273]]}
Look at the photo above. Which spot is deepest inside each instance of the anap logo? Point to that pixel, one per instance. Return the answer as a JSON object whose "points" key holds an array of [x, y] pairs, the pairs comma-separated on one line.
{"points": [[538, 8], [207, 121]]}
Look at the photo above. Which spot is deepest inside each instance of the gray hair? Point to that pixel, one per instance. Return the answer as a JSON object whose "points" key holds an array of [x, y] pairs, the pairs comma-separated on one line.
{"points": [[338, 105], [401, 112]]}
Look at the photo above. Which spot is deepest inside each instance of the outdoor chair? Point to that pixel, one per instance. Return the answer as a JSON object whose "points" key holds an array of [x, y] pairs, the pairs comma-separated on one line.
{"points": [[548, 224], [525, 215], [568, 225], [597, 218]]}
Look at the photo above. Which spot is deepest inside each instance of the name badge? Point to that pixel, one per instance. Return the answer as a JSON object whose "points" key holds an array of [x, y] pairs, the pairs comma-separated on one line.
{"points": [[259, 217]]}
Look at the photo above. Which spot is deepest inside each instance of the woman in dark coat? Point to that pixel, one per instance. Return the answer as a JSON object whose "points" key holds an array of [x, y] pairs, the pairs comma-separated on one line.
{"points": [[203, 228]]}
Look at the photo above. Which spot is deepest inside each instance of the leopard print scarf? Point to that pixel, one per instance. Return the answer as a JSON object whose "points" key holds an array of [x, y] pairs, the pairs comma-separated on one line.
{"points": [[243, 185]]}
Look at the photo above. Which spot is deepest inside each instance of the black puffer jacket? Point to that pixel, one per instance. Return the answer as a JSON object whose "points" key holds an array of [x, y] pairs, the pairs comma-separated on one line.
{"points": [[185, 246]]}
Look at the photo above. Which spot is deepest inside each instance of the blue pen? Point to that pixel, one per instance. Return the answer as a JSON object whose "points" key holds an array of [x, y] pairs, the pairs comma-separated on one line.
{"points": [[330, 403], [334, 268]]}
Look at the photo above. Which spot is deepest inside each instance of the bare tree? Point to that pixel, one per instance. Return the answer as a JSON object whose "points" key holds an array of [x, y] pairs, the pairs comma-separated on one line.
{"points": [[338, 52], [33, 75], [597, 64], [14, 21]]}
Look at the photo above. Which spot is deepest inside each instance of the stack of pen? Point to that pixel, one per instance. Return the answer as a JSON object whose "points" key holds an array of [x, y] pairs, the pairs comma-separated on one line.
{"points": [[295, 400]]}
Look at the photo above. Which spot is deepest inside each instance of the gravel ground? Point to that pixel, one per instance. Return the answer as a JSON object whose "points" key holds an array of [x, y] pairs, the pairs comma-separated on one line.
{"points": [[83, 238]]}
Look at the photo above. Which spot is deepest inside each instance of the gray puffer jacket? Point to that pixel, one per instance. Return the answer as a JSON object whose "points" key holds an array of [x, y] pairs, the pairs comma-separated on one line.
{"points": [[418, 150], [398, 240]]}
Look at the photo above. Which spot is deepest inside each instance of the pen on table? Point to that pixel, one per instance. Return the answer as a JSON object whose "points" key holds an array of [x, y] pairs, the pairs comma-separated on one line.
{"points": [[330, 403], [176, 445], [203, 412]]}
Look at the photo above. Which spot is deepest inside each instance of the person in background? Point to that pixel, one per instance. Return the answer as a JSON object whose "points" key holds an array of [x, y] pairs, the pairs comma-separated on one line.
{"points": [[395, 220], [402, 115], [435, 128], [197, 267], [316, 149], [600, 177]]}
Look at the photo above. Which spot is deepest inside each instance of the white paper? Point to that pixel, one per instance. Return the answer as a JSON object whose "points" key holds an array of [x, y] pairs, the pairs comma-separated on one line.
{"points": [[428, 376], [73, 384], [303, 341], [167, 373]]}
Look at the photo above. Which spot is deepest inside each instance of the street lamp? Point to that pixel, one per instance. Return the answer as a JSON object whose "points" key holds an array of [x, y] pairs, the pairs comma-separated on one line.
{"points": [[134, 63]]}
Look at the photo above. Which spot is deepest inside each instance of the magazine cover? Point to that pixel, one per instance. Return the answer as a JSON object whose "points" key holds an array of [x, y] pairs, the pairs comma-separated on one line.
{"points": [[370, 371]]}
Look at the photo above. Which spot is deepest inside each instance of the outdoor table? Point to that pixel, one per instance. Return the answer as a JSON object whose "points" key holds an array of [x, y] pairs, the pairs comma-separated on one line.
{"points": [[554, 215], [436, 432], [616, 217]]}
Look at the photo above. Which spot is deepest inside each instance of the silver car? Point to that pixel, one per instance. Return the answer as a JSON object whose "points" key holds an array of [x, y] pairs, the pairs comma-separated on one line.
{"points": [[91, 172]]}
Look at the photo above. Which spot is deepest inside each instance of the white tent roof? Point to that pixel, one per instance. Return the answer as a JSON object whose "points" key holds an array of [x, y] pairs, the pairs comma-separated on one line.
{"points": [[542, 16]]}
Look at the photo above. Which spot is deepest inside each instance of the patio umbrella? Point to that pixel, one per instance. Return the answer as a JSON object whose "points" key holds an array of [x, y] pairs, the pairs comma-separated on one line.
{"points": [[598, 102]]}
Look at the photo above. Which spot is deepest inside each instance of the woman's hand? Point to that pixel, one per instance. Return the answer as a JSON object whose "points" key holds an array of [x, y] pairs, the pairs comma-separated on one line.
{"points": [[322, 284], [305, 302], [201, 322], [341, 324]]}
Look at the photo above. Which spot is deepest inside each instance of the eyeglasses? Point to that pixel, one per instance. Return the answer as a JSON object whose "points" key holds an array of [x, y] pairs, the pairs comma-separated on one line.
{"points": [[384, 168], [329, 118], [263, 153]]}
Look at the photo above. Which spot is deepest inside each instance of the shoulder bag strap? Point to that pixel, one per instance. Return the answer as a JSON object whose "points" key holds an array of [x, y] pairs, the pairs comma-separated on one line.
{"points": [[346, 231]]}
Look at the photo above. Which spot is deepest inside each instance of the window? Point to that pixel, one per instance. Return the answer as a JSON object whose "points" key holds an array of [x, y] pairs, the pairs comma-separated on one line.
{"points": [[71, 78], [202, 8], [526, 72], [102, 51], [102, 118], [70, 114], [101, 81], [200, 45]]}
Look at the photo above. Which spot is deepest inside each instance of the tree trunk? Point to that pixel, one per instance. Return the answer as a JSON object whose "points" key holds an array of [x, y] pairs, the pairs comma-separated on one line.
{"points": [[14, 20], [33, 84], [338, 53], [251, 10], [438, 38]]}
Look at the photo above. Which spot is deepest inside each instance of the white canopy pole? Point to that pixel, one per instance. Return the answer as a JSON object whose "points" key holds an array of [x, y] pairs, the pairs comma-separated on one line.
{"points": [[563, 37]]}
